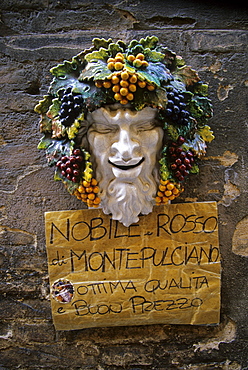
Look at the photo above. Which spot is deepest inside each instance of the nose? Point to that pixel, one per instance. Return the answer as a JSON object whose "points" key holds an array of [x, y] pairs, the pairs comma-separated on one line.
{"points": [[125, 147]]}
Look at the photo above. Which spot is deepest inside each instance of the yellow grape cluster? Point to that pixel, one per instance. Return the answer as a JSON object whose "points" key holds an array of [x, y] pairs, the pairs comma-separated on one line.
{"points": [[87, 192], [118, 62], [138, 61], [167, 190], [123, 83]]}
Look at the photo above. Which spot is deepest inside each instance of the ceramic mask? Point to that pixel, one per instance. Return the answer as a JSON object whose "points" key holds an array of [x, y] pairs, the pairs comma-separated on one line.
{"points": [[124, 125], [125, 147]]}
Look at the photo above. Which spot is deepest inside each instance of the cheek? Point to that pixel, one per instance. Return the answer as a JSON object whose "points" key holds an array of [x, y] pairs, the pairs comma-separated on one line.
{"points": [[99, 145], [151, 141]]}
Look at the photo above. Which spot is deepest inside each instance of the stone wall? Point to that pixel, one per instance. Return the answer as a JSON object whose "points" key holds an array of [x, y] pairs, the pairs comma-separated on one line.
{"points": [[36, 35]]}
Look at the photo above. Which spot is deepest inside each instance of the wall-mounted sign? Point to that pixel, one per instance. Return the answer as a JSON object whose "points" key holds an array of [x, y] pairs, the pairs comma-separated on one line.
{"points": [[163, 269]]}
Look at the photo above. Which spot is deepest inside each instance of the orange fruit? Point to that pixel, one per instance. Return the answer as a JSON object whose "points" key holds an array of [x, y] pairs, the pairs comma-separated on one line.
{"points": [[124, 91], [115, 80], [107, 84], [96, 189], [131, 58], [116, 88], [132, 87], [170, 186], [125, 75], [98, 84], [97, 200], [175, 191], [137, 63], [164, 182], [145, 63], [119, 66], [86, 184], [124, 101], [110, 60], [133, 79], [117, 96], [124, 83], [129, 96], [140, 56], [93, 182], [162, 188], [111, 65], [142, 84], [150, 87]]}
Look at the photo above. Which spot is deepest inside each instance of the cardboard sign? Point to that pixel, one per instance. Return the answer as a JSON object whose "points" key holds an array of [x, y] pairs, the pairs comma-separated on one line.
{"points": [[164, 269]]}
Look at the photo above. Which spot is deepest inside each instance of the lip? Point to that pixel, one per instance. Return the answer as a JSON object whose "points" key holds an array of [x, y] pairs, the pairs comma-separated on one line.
{"points": [[126, 166]]}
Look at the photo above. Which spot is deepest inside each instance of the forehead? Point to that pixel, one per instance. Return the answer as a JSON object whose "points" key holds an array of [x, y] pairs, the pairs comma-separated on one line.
{"points": [[122, 116]]}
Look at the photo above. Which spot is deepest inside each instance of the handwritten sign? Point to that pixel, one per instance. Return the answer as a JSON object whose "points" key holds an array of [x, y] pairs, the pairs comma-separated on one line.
{"points": [[164, 269]]}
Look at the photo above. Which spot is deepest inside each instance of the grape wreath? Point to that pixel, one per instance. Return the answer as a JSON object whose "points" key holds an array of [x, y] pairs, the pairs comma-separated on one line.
{"points": [[139, 74]]}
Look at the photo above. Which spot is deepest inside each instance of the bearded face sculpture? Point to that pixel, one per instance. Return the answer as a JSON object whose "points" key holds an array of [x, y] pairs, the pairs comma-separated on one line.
{"points": [[124, 125], [125, 146]]}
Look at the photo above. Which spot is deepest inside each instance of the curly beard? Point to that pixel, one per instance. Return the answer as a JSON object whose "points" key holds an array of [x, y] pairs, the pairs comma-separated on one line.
{"points": [[125, 200]]}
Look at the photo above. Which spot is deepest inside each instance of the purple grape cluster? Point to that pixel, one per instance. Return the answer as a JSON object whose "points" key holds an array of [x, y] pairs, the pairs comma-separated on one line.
{"points": [[176, 107], [71, 166], [181, 161], [71, 107]]}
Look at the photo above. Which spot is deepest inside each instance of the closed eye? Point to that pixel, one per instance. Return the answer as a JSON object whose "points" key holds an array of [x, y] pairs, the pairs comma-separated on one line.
{"points": [[102, 128], [144, 126]]}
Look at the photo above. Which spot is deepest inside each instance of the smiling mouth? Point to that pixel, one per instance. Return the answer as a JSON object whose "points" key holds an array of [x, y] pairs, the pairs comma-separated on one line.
{"points": [[127, 167]]}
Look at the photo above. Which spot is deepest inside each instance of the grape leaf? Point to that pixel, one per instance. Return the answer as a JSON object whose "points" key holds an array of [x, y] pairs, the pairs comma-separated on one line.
{"points": [[201, 89], [179, 61], [101, 54], [137, 49], [114, 49], [101, 43], [71, 81], [72, 130], [58, 130], [153, 56], [45, 124], [65, 74], [57, 149], [164, 169], [155, 73], [161, 98], [129, 68], [96, 69], [179, 85], [70, 186], [132, 44], [198, 145], [173, 133], [42, 108], [187, 75], [201, 108], [43, 104], [149, 42], [54, 108], [194, 169], [122, 45], [44, 142], [169, 56], [206, 133]]}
